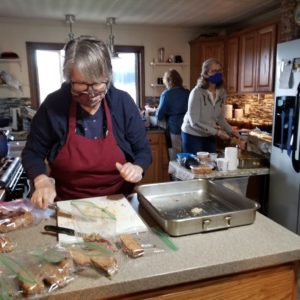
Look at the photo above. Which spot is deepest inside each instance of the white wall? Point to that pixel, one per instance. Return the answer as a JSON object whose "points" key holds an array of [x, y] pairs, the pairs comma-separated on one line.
{"points": [[14, 33]]}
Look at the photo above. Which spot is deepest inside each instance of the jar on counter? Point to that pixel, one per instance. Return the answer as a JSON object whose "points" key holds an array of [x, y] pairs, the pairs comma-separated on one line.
{"points": [[161, 54]]}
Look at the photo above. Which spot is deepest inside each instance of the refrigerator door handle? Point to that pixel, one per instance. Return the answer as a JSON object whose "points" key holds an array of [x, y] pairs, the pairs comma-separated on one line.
{"points": [[290, 129], [296, 141], [282, 130]]}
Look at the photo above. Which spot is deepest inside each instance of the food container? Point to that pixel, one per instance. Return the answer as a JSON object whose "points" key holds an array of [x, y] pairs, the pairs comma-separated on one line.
{"points": [[194, 206], [201, 169], [203, 155], [248, 160]]}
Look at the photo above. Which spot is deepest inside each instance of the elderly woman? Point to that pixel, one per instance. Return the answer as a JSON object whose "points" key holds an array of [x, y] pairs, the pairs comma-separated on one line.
{"points": [[87, 138], [204, 120]]}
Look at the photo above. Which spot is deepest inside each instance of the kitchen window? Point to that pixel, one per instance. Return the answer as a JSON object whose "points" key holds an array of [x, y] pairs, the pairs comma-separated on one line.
{"points": [[45, 62]]}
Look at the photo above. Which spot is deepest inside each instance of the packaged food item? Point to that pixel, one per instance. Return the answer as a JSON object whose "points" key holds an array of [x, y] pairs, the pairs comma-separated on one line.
{"points": [[131, 245], [20, 213], [88, 254], [6, 245]]}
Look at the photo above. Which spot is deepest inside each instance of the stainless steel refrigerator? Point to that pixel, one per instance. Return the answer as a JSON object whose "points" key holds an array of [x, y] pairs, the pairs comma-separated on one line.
{"points": [[284, 188]]}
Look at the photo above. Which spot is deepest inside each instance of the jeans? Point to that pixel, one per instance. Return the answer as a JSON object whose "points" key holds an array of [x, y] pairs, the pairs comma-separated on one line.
{"points": [[193, 144]]}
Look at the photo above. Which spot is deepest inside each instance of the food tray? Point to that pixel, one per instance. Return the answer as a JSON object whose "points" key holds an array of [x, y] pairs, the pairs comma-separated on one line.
{"points": [[187, 207]]}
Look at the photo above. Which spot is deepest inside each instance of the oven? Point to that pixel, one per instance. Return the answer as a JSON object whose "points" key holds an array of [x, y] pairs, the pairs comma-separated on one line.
{"points": [[14, 183]]}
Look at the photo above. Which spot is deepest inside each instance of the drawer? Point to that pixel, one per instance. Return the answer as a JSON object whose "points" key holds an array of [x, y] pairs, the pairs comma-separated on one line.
{"points": [[153, 138]]}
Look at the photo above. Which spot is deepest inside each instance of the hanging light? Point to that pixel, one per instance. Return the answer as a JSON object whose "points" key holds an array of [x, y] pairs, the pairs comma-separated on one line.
{"points": [[70, 19], [111, 41]]}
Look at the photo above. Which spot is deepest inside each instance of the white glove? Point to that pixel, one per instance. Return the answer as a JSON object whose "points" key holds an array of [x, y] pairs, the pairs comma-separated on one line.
{"points": [[44, 193]]}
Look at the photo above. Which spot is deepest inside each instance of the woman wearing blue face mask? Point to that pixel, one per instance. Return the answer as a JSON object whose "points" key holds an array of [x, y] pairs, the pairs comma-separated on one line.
{"points": [[204, 120]]}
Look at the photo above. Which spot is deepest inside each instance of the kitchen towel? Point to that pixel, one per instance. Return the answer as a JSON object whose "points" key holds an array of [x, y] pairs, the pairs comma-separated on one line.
{"points": [[231, 154]]}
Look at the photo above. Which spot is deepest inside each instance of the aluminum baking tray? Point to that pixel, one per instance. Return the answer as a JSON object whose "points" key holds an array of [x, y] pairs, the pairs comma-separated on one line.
{"points": [[187, 207]]}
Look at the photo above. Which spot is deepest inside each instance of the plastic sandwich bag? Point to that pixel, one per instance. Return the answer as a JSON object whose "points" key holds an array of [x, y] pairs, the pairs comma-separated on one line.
{"points": [[20, 213]]}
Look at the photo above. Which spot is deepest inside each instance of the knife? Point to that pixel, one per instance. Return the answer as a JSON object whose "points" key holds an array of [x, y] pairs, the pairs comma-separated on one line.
{"points": [[103, 243], [64, 230]]}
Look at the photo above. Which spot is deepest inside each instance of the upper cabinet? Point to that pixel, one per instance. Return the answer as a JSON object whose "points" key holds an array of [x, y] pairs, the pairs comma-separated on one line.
{"points": [[248, 58], [202, 49], [256, 60], [232, 54]]}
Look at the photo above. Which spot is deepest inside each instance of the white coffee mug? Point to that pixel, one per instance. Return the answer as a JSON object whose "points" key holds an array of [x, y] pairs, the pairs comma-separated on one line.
{"points": [[222, 164]]}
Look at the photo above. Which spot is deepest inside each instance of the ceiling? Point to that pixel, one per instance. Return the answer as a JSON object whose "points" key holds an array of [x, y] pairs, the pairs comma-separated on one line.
{"points": [[183, 13]]}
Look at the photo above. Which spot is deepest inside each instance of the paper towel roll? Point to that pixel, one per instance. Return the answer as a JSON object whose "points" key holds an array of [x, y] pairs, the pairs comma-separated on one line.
{"points": [[228, 111], [247, 109], [238, 113], [231, 154]]}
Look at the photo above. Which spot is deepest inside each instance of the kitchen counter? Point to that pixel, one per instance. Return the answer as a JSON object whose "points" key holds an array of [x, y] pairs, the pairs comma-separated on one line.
{"points": [[182, 173], [252, 183], [199, 259]]}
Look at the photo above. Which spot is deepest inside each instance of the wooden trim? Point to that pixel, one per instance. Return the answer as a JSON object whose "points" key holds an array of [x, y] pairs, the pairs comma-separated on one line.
{"points": [[276, 283], [140, 68], [31, 48]]}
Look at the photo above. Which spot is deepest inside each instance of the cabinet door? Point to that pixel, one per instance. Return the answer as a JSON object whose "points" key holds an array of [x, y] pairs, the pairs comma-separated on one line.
{"points": [[201, 50], [232, 50], [266, 39], [247, 64], [196, 62]]}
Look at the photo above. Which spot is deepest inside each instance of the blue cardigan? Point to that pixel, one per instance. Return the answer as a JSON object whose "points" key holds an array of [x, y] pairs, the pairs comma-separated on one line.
{"points": [[49, 129]]}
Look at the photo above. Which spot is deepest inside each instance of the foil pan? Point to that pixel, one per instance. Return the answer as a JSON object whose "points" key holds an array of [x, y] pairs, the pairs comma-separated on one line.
{"points": [[194, 206]]}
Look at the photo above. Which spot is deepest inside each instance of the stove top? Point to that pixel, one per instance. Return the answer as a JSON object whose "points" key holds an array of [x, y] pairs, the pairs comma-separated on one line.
{"points": [[13, 179]]}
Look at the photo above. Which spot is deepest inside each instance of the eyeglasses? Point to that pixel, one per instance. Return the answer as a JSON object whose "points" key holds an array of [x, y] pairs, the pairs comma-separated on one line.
{"points": [[215, 71], [81, 87]]}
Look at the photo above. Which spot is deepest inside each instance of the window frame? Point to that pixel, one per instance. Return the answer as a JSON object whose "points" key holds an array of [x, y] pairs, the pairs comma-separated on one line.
{"points": [[31, 48]]}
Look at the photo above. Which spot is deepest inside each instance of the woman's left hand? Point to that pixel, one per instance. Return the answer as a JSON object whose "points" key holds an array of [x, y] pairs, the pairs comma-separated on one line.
{"points": [[130, 172]]}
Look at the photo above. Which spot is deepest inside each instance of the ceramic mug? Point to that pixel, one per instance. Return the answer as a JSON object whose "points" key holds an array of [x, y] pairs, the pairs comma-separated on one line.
{"points": [[222, 164]]}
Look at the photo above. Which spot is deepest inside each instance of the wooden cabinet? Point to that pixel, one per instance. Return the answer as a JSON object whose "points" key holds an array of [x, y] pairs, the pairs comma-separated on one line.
{"points": [[158, 170], [256, 60], [248, 58], [276, 283], [201, 49], [232, 54], [266, 44]]}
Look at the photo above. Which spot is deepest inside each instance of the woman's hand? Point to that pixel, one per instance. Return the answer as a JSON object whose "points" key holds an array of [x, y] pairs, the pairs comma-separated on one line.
{"points": [[44, 193], [130, 172], [223, 134]]}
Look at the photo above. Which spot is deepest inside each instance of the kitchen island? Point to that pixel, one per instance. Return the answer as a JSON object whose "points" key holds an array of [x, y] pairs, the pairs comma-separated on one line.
{"points": [[257, 261]]}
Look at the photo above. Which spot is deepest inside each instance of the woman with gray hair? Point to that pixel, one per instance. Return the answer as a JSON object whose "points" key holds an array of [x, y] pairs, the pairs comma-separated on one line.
{"points": [[204, 119], [87, 139]]}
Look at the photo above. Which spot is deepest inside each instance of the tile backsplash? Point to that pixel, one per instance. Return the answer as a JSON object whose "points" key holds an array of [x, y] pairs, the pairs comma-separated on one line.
{"points": [[261, 105]]}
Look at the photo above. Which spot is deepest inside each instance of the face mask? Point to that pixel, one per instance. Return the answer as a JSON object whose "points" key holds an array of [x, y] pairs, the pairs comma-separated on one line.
{"points": [[216, 78], [88, 99]]}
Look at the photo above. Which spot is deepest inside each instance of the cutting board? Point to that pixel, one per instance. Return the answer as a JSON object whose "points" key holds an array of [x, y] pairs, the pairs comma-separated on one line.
{"points": [[126, 220]]}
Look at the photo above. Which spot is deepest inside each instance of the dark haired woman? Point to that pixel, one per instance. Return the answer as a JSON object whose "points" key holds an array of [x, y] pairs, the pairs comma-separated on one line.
{"points": [[172, 107]]}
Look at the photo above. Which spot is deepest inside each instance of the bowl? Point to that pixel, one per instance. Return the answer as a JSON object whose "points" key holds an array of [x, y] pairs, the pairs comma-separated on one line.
{"points": [[203, 155]]}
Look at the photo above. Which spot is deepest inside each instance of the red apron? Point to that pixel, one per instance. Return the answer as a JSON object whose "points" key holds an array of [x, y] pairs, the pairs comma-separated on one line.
{"points": [[85, 167]]}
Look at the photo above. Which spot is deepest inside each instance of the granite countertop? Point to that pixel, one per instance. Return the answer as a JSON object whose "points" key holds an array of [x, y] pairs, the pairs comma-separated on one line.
{"points": [[199, 256], [182, 173]]}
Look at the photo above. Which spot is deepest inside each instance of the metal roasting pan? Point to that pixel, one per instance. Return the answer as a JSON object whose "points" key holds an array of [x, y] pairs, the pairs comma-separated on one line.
{"points": [[194, 206]]}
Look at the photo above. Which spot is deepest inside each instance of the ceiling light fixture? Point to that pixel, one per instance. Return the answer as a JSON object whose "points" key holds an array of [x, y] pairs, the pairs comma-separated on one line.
{"points": [[70, 19], [111, 42]]}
